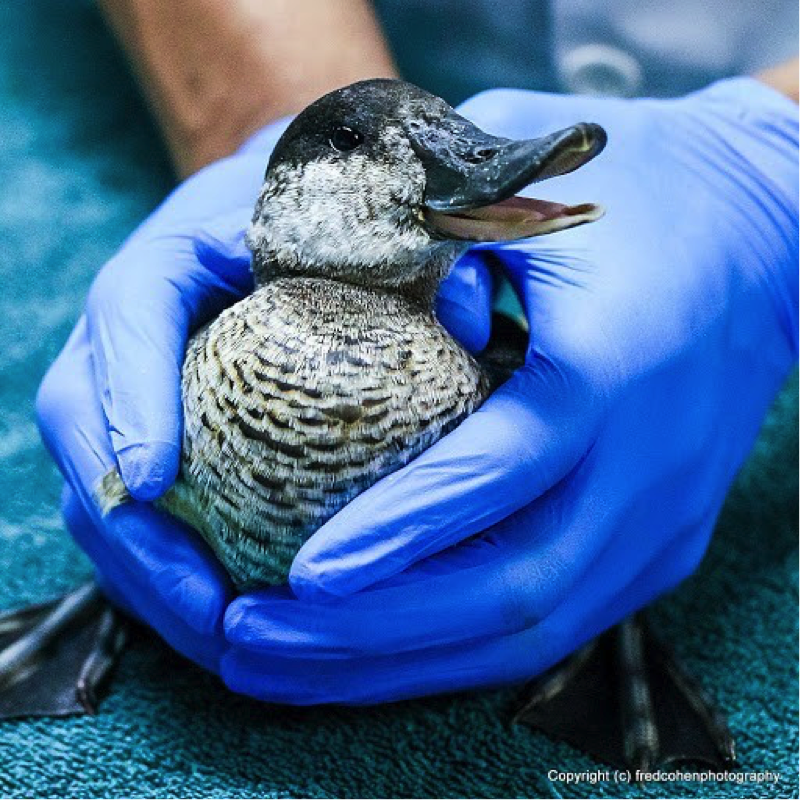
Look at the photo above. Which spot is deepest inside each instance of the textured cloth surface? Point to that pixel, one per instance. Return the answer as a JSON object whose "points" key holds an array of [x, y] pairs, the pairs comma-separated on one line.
{"points": [[80, 166]]}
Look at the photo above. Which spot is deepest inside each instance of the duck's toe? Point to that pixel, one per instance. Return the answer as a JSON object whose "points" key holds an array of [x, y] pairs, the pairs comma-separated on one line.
{"points": [[625, 700], [56, 657]]}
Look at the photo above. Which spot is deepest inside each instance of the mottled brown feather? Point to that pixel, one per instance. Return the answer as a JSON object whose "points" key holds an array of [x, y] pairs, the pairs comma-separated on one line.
{"points": [[297, 399]]}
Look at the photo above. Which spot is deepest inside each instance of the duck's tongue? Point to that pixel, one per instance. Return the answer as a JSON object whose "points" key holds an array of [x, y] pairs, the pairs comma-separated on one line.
{"points": [[515, 218], [472, 178]]}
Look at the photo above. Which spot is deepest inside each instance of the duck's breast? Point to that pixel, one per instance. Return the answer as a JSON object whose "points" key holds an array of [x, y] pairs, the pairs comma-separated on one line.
{"points": [[296, 400]]}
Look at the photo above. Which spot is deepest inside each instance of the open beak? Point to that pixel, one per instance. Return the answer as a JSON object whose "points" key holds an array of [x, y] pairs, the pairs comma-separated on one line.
{"points": [[472, 179]]}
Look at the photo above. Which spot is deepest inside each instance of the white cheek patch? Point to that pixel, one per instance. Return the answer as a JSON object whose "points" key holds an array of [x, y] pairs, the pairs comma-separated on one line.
{"points": [[343, 215]]}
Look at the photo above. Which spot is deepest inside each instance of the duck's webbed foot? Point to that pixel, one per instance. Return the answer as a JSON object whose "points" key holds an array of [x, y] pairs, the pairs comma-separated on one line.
{"points": [[56, 657], [624, 699]]}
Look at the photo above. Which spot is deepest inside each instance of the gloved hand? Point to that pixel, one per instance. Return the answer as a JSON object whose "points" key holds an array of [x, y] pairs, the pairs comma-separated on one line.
{"points": [[659, 336], [112, 398]]}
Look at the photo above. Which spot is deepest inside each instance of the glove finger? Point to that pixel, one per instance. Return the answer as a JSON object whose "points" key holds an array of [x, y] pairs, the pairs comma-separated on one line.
{"points": [[673, 563], [464, 303], [263, 141], [506, 581], [223, 186], [521, 442], [84, 533], [161, 553], [70, 418], [523, 114], [388, 619], [170, 558], [141, 310], [480, 663], [128, 594]]}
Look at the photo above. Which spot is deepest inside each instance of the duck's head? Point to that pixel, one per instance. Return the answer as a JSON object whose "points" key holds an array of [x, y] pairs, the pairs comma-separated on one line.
{"points": [[383, 185]]}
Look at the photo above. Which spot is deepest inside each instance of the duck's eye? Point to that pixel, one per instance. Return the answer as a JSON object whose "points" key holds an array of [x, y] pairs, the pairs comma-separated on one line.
{"points": [[344, 139]]}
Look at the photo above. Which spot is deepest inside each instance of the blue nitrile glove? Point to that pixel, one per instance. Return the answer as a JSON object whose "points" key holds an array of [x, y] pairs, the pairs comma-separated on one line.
{"points": [[113, 395], [659, 337]]}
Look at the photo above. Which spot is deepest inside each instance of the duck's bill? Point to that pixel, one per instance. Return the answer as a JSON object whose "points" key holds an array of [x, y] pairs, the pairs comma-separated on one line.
{"points": [[515, 218], [472, 179]]}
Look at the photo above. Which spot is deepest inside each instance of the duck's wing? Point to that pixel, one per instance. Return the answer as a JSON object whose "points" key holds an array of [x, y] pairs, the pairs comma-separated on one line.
{"points": [[506, 350]]}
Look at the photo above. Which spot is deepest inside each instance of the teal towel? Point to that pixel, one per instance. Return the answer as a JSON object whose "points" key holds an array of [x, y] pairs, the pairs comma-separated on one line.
{"points": [[79, 167]]}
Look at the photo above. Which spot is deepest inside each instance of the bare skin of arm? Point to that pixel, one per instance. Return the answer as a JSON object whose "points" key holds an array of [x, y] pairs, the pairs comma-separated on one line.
{"points": [[783, 78], [215, 71]]}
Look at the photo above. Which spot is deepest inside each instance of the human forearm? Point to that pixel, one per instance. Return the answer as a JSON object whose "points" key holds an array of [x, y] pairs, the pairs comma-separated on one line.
{"points": [[783, 78], [214, 71]]}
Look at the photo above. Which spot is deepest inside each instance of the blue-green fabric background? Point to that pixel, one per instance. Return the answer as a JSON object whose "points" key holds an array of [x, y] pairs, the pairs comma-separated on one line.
{"points": [[80, 165]]}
